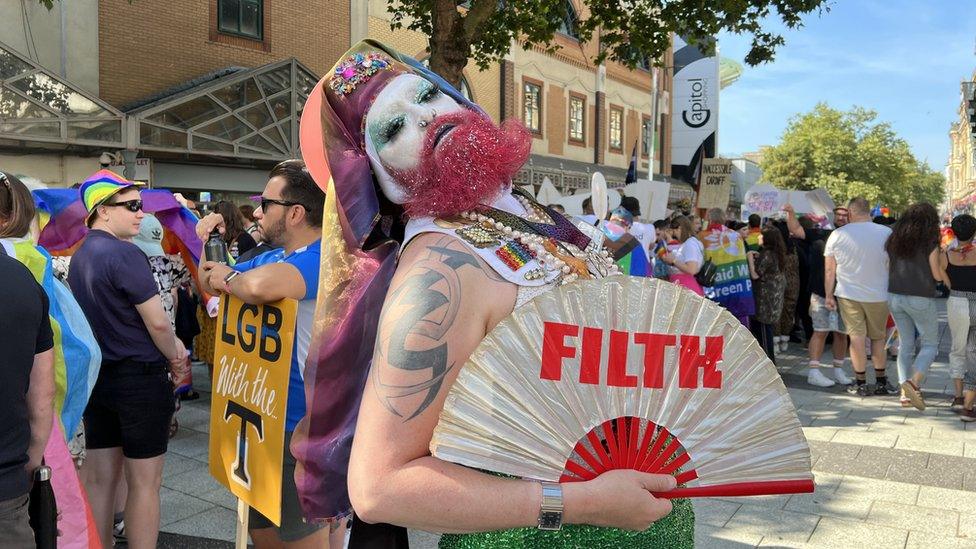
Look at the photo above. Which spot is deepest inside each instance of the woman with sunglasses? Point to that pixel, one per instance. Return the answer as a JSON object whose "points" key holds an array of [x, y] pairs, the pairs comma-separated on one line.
{"points": [[128, 415], [238, 239]]}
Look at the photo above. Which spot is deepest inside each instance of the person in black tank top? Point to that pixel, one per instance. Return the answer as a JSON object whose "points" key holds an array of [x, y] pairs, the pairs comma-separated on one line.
{"points": [[913, 269], [959, 265]]}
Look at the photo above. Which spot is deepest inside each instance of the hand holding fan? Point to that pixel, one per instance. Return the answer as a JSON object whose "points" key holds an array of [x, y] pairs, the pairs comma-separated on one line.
{"points": [[626, 373]]}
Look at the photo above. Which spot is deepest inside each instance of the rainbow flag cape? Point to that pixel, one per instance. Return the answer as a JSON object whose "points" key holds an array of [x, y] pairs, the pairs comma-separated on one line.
{"points": [[61, 216], [76, 525], [733, 285], [77, 357]]}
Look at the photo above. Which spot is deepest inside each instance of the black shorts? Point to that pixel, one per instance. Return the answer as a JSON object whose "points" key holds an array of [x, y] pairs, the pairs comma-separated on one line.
{"points": [[293, 526], [131, 406]]}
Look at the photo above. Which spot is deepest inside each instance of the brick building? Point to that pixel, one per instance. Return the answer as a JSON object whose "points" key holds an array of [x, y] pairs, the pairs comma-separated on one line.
{"points": [[210, 91], [961, 169]]}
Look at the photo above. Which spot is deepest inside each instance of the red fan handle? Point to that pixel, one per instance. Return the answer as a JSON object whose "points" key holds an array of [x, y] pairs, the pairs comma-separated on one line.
{"points": [[765, 488]]}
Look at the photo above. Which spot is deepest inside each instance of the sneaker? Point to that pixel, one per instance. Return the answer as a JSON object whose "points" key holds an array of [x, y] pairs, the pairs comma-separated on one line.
{"points": [[859, 390], [968, 416], [816, 377], [957, 403], [913, 394], [885, 389], [118, 531], [841, 377]]}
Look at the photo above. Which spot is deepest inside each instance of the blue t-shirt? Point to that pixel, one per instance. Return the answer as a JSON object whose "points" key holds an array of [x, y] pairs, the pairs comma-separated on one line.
{"points": [[108, 278], [306, 260]]}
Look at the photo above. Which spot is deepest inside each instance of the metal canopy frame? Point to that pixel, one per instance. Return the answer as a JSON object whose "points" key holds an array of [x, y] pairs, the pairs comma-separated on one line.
{"points": [[248, 114], [38, 105]]}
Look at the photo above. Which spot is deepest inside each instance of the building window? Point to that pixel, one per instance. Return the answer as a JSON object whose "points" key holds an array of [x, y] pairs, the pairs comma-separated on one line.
{"points": [[647, 136], [570, 23], [577, 118], [241, 17], [532, 105], [616, 129]]}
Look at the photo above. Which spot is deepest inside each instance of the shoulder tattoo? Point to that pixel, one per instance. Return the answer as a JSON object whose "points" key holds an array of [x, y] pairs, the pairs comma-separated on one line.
{"points": [[419, 313]]}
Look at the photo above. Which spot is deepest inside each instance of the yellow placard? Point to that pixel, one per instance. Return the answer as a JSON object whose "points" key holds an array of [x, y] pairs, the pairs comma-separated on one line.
{"points": [[250, 397]]}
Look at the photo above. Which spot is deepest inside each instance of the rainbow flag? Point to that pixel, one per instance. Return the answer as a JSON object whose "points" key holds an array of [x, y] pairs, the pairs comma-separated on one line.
{"points": [[733, 285], [77, 357]]}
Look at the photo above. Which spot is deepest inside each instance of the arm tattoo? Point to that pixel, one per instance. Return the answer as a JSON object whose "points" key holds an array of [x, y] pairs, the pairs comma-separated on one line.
{"points": [[413, 329]]}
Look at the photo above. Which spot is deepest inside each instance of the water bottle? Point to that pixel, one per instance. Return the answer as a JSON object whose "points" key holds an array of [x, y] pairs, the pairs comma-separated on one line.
{"points": [[215, 248], [42, 509], [832, 318]]}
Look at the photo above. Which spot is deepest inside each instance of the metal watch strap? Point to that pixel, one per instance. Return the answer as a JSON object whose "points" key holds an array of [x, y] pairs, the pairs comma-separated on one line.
{"points": [[551, 512], [230, 276]]}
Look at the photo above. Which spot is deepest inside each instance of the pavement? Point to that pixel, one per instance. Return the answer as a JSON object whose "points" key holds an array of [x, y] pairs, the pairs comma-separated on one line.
{"points": [[886, 476]]}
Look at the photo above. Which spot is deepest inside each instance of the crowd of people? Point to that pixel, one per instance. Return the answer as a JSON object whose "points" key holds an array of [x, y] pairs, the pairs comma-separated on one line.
{"points": [[868, 285], [419, 235]]}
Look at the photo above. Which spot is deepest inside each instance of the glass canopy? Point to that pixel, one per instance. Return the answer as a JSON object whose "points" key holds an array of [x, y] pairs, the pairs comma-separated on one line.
{"points": [[38, 105], [253, 113]]}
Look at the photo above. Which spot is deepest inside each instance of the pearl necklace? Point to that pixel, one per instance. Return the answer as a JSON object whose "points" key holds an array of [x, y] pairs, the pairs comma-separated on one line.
{"points": [[569, 267]]}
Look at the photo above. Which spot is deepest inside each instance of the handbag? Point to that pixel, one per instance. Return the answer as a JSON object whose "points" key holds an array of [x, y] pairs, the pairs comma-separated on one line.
{"points": [[706, 275], [941, 290]]}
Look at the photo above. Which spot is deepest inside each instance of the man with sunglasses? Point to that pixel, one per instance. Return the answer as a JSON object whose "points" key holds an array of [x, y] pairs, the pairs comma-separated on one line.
{"points": [[290, 218], [128, 415]]}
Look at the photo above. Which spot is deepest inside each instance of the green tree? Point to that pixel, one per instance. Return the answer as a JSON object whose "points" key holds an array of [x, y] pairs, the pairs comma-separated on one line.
{"points": [[850, 153], [628, 32]]}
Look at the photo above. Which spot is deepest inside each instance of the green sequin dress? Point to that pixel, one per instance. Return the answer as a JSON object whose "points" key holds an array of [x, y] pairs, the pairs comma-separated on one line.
{"points": [[675, 531]]}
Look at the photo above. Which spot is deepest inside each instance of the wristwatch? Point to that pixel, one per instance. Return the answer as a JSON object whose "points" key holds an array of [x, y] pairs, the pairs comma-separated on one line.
{"points": [[230, 276], [551, 512]]}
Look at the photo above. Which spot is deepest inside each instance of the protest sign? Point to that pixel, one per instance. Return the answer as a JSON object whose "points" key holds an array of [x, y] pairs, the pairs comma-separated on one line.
{"points": [[250, 391], [764, 200], [715, 184]]}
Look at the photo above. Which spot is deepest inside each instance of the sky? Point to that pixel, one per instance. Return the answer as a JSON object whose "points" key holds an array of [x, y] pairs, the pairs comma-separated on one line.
{"points": [[904, 59]]}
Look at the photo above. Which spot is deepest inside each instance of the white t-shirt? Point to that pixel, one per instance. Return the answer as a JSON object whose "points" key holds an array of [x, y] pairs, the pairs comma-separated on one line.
{"points": [[862, 262], [691, 250], [645, 234]]}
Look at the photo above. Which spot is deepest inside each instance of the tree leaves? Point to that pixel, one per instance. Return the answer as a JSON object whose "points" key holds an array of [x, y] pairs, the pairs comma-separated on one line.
{"points": [[628, 31], [850, 154]]}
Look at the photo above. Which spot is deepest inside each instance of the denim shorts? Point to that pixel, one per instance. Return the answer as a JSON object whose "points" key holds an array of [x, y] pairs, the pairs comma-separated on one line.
{"points": [[131, 406], [824, 320]]}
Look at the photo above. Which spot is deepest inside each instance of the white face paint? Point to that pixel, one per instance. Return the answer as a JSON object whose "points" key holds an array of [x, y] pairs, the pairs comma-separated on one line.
{"points": [[396, 126]]}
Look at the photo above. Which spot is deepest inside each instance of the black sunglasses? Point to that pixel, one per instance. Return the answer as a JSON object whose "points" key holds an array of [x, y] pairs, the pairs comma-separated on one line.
{"points": [[265, 202], [131, 205]]}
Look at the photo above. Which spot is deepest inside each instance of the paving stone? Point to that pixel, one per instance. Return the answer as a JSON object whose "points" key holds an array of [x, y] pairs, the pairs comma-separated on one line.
{"points": [[830, 504], [773, 525], [190, 443], [901, 429], [878, 490], [175, 506], [216, 523], [714, 512], [969, 482], [933, 445], [712, 537], [927, 477], [835, 532], [772, 502], [926, 540], [897, 458], [175, 464], [819, 433], [826, 482], [913, 517], [195, 482], [839, 465], [866, 438], [422, 540], [195, 418], [970, 450], [944, 498], [220, 496], [967, 526], [941, 461]]}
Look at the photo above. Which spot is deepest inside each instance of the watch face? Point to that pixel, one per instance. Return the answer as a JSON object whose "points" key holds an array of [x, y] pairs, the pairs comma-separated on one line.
{"points": [[550, 521]]}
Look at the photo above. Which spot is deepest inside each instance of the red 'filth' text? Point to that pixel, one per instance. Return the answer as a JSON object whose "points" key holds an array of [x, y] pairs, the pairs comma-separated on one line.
{"points": [[691, 359]]}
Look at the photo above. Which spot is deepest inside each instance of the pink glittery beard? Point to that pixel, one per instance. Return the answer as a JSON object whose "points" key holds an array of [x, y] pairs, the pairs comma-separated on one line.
{"points": [[473, 162]]}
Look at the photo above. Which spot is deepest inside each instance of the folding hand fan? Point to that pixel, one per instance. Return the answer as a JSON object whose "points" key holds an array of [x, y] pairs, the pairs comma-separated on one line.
{"points": [[626, 373]]}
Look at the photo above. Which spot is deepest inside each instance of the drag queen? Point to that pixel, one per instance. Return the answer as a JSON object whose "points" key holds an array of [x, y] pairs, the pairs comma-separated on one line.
{"points": [[426, 248]]}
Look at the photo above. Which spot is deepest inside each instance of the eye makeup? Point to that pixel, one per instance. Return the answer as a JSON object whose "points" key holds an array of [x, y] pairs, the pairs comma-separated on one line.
{"points": [[426, 92]]}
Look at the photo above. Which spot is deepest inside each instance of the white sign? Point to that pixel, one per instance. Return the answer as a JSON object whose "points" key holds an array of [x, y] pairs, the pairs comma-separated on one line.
{"points": [[547, 193], [695, 101], [598, 192], [652, 196], [715, 183], [764, 200]]}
